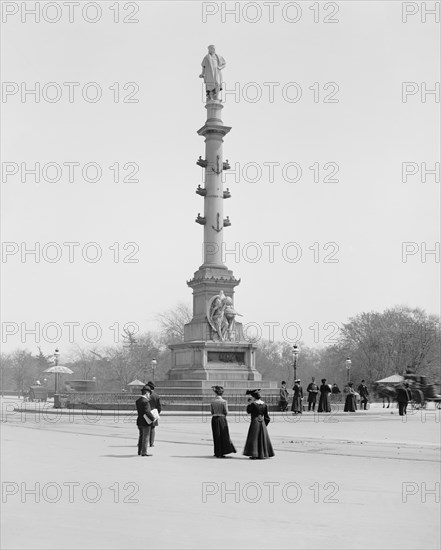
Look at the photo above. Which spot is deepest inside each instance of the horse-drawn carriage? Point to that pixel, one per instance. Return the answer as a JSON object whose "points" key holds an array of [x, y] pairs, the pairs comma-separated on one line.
{"points": [[422, 392]]}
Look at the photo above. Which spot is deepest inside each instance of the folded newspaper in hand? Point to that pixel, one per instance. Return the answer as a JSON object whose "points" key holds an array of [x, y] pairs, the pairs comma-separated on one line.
{"points": [[154, 413]]}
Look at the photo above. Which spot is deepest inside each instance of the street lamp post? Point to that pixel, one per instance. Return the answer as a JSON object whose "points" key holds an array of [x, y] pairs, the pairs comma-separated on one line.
{"points": [[154, 363], [295, 353], [56, 355], [348, 368]]}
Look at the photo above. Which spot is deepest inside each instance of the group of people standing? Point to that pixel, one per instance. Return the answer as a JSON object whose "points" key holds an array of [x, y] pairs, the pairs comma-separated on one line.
{"points": [[323, 393], [149, 408], [258, 444]]}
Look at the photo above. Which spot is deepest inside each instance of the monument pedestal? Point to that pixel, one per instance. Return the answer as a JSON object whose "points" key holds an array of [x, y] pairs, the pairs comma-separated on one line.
{"points": [[217, 362], [203, 360], [202, 355]]}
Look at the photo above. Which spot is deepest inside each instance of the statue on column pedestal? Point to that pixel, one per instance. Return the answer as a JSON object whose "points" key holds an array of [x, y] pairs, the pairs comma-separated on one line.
{"points": [[212, 65]]}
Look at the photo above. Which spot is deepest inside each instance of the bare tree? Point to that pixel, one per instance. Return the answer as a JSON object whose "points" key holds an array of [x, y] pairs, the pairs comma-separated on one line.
{"points": [[381, 344], [43, 361], [23, 369], [83, 363], [5, 372], [172, 323]]}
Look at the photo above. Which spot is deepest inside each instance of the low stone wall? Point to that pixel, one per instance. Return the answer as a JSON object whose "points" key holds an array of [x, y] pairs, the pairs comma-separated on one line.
{"points": [[169, 402]]}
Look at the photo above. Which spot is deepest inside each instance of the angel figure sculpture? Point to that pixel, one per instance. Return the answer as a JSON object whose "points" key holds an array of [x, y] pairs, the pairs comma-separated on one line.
{"points": [[230, 317], [221, 316]]}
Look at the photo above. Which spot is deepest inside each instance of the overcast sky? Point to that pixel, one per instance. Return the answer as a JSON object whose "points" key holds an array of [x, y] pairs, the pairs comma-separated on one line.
{"points": [[335, 104]]}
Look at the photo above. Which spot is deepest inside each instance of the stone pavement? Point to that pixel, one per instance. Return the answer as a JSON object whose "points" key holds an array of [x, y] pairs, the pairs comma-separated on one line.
{"points": [[348, 481]]}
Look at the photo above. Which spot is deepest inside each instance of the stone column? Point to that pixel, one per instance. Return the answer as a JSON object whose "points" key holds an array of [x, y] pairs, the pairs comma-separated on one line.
{"points": [[214, 132]]}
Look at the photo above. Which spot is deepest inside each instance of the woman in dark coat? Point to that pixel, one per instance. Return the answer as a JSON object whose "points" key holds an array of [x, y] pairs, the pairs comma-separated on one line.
{"points": [[296, 406], [350, 403], [258, 444], [219, 425], [325, 401]]}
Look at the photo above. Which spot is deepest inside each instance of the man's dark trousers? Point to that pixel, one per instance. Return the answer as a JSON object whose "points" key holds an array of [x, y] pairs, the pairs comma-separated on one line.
{"points": [[312, 401], [144, 434], [152, 433]]}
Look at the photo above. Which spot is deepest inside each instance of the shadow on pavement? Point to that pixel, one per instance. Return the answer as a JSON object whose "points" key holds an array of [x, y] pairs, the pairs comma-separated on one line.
{"points": [[120, 456], [202, 456]]}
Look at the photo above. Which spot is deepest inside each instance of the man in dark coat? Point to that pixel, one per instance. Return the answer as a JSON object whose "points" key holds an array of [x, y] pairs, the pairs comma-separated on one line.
{"points": [[312, 390], [144, 410], [404, 395], [155, 403], [364, 393], [283, 397]]}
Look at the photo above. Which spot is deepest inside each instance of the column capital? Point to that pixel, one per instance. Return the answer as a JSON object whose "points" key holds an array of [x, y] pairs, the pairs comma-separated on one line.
{"points": [[211, 128]]}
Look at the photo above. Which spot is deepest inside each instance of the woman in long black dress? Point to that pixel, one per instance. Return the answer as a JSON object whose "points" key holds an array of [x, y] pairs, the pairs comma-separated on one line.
{"points": [[296, 406], [324, 401], [219, 425], [258, 443], [350, 403]]}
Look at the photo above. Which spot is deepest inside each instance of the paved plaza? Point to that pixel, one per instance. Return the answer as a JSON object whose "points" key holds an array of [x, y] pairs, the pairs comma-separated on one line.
{"points": [[364, 480]]}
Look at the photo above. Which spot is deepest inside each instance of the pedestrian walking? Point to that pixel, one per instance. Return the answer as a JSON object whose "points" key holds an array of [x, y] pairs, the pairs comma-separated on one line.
{"points": [[350, 403], [144, 414], [258, 443], [364, 395], [324, 401], [297, 399], [283, 397], [219, 425], [312, 390], [335, 393], [404, 395]]}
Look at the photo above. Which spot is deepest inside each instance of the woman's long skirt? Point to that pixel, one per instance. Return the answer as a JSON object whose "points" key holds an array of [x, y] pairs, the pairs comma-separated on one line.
{"points": [[258, 443], [221, 436], [296, 404], [350, 404], [324, 403]]}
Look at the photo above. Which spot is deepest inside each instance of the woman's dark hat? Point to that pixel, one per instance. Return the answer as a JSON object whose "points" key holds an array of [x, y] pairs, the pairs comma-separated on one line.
{"points": [[151, 384], [218, 389]]}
